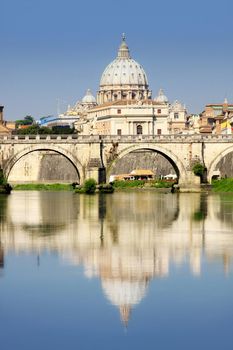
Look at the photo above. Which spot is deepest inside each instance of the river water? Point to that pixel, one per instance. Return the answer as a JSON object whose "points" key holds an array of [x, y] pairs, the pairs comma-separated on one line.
{"points": [[132, 270]]}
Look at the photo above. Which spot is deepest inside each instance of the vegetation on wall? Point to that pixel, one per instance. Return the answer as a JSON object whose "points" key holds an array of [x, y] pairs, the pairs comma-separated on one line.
{"points": [[5, 188], [3, 180], [198, 169]]}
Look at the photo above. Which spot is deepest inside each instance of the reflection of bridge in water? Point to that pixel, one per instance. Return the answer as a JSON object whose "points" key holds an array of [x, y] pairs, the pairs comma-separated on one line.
{"points": [[126, 239], [21, 156]]}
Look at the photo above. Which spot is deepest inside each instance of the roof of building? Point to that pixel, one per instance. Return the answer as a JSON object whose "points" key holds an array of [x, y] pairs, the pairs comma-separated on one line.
{"points": [[220, 105], [135, 103], [141, 172]]}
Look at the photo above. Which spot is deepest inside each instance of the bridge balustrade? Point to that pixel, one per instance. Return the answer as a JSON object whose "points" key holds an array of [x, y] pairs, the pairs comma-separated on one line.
{"points": [[120, 138]]}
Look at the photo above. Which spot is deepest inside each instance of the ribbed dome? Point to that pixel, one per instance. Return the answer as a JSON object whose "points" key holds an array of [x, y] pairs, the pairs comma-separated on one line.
{"points": [[177, 106], [123, 70], [88, 98]]}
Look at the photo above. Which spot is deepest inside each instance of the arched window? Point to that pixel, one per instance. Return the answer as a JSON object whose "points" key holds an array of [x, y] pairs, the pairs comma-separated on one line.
{"points": [[139, 130]]}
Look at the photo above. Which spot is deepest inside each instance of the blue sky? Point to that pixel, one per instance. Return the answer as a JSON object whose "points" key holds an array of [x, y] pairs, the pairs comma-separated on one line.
{"points": [[54, 50]]}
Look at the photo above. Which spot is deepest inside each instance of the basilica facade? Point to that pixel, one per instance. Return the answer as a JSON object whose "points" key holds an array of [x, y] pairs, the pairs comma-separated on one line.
{"points": [[124, 103]]}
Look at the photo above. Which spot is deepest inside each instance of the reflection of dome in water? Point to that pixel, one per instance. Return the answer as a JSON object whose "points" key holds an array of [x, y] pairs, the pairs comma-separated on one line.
{"points": [[124, 294]]}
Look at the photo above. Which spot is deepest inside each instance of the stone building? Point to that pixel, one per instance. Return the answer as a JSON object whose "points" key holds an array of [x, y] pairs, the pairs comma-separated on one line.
{"points": [[217, 118], [5, 127], [73, 114]]}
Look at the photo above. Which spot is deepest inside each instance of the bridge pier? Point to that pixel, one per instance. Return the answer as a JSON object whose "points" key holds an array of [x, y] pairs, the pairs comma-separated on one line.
{"points": [[189, 182]]}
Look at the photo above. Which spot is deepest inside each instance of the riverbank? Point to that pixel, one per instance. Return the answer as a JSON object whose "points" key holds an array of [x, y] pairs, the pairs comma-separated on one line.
{"points": [[223, 185], [43, 187]]}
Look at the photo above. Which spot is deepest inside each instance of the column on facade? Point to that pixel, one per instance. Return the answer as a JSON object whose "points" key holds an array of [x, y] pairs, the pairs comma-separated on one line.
{"points": [[106, 97], [131, 131], [102, 97], [148, 128]]}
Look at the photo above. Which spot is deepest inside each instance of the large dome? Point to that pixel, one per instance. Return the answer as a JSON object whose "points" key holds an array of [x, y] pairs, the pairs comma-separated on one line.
{"points": [[123, 78], [124, 71]]}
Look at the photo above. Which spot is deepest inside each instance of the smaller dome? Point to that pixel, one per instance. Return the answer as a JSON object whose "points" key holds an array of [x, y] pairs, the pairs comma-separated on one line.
{"points": [[88, 98], [161, 97], [177, 106]]}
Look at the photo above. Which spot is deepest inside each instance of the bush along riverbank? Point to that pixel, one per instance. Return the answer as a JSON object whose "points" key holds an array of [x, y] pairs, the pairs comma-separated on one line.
{"points": [[5, 188], [223, 185], [128, 184], [90, 187]]}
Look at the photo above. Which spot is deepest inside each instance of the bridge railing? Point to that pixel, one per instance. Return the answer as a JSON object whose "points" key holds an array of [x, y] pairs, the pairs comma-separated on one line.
{"points": [[117, 138]]}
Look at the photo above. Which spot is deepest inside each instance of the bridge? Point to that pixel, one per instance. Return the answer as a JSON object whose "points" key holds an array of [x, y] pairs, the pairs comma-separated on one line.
{"points": [[90, 154]]}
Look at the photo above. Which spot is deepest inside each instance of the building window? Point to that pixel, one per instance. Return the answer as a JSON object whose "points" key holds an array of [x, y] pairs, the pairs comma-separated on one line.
{"points": [[159, 131], [139, 130], [118, 131], [119, 111], [159, 111], [176, 115]]}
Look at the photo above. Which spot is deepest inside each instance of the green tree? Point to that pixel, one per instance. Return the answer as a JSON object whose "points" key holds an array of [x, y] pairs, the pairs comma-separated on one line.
{"points": [[28, 120], [198, 169]]}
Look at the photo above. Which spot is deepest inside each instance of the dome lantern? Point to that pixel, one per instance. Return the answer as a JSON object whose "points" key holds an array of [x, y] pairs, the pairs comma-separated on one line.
{"points": [[123, 51]]}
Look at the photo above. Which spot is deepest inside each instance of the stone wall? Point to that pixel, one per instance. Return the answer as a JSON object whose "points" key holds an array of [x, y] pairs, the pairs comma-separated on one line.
{"points": [[226, 165], [143, 160], [43, 167]]}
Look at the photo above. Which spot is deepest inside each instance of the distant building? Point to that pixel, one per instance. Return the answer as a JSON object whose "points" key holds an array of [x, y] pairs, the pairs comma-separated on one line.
{"points": [[72, 115], [51, 121], [217, 118], [5, 127]]}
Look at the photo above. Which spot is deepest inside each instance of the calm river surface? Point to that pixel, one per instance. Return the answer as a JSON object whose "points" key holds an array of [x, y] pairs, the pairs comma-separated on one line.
{"points": [[132, 270]]}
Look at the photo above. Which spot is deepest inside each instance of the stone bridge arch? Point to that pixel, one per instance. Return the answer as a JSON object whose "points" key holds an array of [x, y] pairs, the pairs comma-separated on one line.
{"points": [[169, 155], [7, 167], [214, 162]]}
